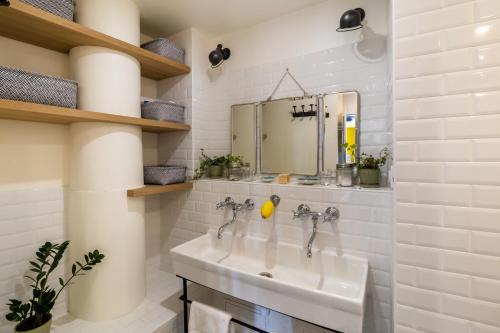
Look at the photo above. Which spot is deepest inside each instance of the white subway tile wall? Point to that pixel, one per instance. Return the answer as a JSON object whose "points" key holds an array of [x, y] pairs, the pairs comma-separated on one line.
{"points": [[337, 69], [364, 228], [28, 218], [177, 146], [210, 94], [447, 111]]}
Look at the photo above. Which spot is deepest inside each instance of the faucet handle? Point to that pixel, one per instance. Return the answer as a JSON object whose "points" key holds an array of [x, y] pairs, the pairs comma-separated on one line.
{"points": [[249, 204], [226, 203], [302, 210], [331, 214]]}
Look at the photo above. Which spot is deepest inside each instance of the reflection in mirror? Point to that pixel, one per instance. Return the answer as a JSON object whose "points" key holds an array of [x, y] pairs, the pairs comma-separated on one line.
{"points": [[341, 128], [289, 136], [243, 133]]}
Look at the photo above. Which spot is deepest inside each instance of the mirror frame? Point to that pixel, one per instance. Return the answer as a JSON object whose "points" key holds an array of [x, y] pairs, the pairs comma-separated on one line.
{"points": [[256, 123]]}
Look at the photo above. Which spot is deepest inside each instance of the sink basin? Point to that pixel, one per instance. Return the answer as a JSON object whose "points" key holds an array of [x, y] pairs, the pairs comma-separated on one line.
{"points": [[326, 290]]}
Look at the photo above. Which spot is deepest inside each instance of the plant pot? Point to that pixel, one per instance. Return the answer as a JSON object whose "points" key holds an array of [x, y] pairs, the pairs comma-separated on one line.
{"points": [[215, 171], [369, 177], [45, 328]]}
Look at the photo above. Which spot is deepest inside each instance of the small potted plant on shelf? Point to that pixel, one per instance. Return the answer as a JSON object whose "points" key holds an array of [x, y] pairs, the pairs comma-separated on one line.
{"points": [[233, 167], [213, 167], [369, 167], [34, 316], [233, 161]]}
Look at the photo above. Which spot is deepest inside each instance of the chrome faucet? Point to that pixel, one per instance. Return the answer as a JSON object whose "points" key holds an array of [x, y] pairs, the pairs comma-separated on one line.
{"points": [[229, 202], [235, 207], [330, 215]]}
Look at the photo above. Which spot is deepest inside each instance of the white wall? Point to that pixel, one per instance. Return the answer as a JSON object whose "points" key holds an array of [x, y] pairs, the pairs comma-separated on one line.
{"points": [[176, 147], [324, 64], [303, 32], [447, 91]]}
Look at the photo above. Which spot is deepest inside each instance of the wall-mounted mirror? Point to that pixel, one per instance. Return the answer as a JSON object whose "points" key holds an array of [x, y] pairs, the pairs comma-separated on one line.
{"points": [[342, 122], [244, 133], [289, 136]]}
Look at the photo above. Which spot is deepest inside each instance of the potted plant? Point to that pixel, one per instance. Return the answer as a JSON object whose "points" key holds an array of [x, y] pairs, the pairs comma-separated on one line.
{"points": [[35, 315], [233, 165], [369, 167], [233, 161], [212, 166]]}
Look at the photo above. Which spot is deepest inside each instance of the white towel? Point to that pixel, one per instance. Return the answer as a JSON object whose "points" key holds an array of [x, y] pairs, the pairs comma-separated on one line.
{"points": [[206, 319]]}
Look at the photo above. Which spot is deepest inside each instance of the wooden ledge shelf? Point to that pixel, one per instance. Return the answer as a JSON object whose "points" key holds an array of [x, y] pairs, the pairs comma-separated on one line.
{"points": [[158, 189], [28, 24], [15, 110]]}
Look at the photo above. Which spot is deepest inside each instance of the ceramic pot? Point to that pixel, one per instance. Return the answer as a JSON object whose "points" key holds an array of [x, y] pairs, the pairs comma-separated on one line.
{"points": [[215, 171], [369, 177], [45, 328]]}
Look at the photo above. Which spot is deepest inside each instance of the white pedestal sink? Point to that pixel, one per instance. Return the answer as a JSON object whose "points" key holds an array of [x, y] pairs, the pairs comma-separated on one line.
{"points": [[325, 290]]}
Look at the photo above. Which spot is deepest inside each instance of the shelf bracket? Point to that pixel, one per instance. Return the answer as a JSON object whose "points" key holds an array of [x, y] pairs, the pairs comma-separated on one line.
{"points": [[5, 3]]}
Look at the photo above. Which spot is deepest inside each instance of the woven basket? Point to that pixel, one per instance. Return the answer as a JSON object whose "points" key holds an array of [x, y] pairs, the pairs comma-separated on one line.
{"points": [[164, 111], [31, 87], [166, 48], [164, 174], [62, 8]]}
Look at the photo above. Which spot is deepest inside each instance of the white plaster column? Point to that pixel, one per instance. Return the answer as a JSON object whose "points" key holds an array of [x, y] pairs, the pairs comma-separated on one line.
{"points": [[105, 161]]}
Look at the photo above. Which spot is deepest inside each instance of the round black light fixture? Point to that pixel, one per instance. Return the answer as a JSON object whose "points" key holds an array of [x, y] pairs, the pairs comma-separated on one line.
{"points": [[219, 55], [351, 20]]}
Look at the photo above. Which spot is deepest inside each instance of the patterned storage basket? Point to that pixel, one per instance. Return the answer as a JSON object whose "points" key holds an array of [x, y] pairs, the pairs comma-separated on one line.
{"points": [[164, 174], [31, 87], [62, 8], [164, 111], [166, 48]]}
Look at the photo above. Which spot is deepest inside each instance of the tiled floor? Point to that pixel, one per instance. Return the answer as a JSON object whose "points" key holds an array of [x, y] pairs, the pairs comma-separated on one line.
{"points": [[158, 313]]}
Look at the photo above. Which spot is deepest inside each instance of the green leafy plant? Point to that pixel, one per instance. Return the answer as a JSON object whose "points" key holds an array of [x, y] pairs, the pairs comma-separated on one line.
{"points": [[37, 310], [229, 159], [370, 162], [206, 162]]}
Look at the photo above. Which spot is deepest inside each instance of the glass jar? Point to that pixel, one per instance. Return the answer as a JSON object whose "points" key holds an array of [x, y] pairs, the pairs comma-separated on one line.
{"points": [[345, 174], [327, 177], [235, 171], [245, 172]]}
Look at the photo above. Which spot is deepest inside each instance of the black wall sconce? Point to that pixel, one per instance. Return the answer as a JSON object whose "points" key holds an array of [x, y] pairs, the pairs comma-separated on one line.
{"points": [[5, 3], [219, 55], [351, 20]]}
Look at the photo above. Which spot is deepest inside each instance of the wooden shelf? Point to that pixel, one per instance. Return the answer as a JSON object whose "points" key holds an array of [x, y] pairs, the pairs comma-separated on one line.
{"points": [[28, 24], [15, 110], [158, 189]]}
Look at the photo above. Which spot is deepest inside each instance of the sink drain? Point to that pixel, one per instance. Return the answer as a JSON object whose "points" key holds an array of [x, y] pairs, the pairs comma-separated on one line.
{"points": [[266, 274]]}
